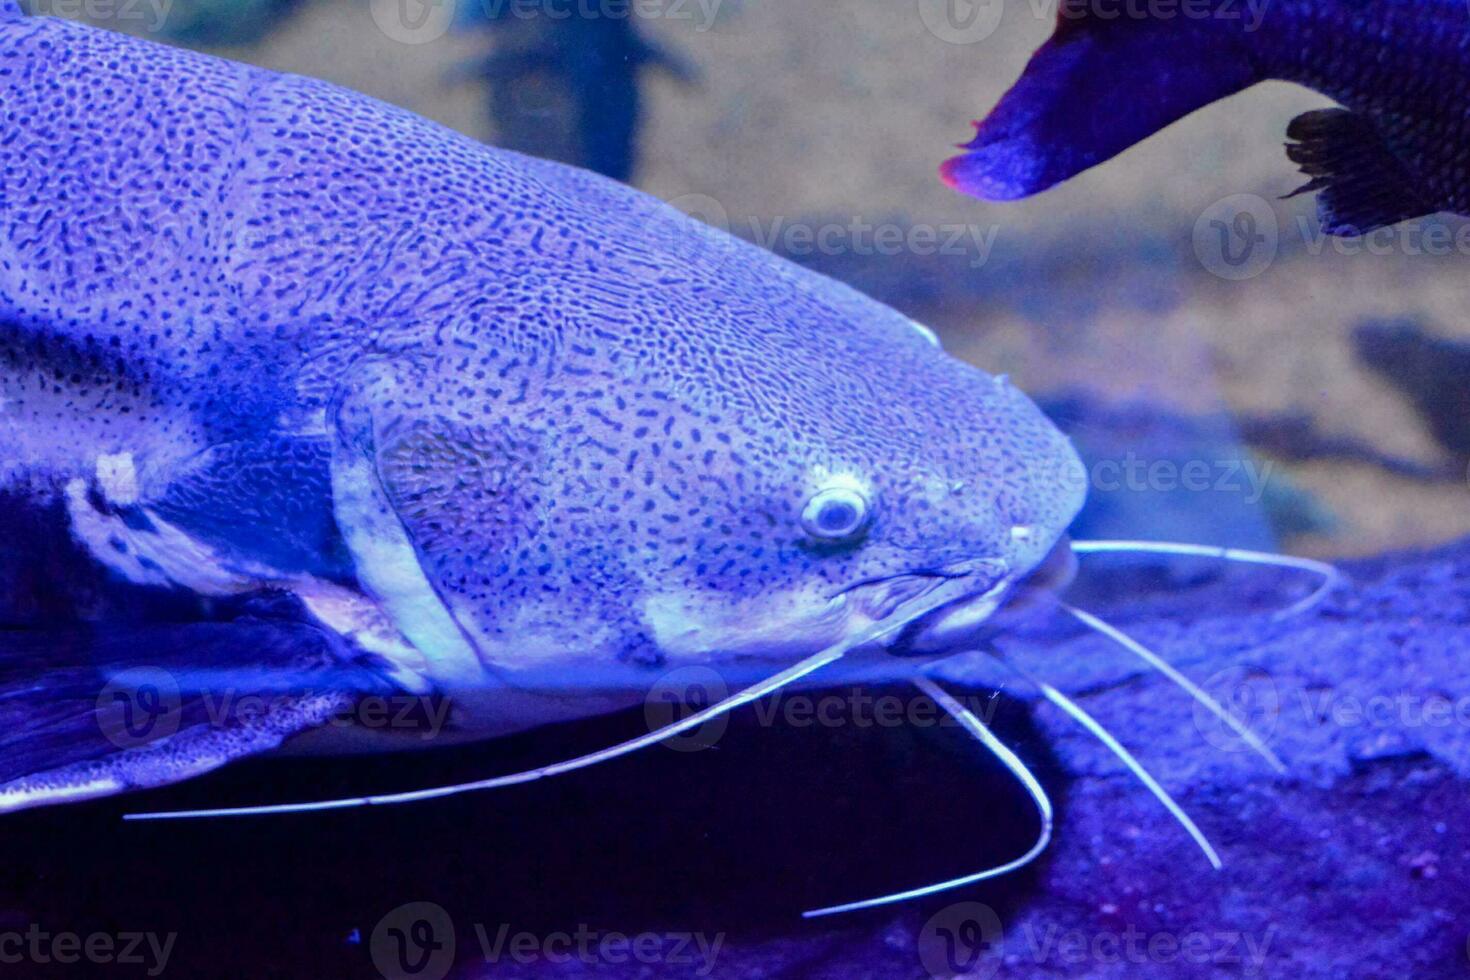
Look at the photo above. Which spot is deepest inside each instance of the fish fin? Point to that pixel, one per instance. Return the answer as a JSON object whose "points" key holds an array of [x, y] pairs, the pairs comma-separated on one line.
{"points": [[10, 8], [1097, 87], [1363, 184], [89, 712], [188, 752]]}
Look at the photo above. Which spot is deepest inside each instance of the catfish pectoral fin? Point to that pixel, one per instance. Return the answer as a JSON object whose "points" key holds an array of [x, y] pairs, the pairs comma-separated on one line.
{"points": [[91, 712], [189, 752]]}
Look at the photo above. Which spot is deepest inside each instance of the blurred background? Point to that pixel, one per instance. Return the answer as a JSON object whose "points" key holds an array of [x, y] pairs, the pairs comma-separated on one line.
{"points": [[1231, 376]]}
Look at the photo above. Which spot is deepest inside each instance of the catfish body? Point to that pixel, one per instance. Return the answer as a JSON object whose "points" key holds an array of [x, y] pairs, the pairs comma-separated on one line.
{"points": [[1114, 74], [478, 426]]}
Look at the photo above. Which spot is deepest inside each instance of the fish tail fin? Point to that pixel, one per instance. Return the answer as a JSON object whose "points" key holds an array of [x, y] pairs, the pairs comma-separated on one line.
{"points": [[1102, 83], [1364, 185]]}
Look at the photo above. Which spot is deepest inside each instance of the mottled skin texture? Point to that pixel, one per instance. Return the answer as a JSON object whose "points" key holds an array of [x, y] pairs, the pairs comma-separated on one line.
{"points": [[267, 331], [1110, 78]]}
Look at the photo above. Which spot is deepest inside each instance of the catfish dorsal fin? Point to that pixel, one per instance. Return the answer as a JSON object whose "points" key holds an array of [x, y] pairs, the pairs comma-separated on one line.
{"points": [[10, 8], [1364, 185]]}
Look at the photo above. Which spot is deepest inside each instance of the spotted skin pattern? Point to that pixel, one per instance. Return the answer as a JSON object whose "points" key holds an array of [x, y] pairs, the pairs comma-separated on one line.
{"points": [[227, 294]]}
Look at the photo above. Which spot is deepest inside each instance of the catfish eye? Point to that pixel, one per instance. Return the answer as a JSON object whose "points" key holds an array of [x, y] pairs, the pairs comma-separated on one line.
{"points": [[835, 514]]}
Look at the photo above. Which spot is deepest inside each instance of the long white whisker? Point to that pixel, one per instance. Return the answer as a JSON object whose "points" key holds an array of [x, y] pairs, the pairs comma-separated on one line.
{"points": [[1090, 723], [1331, 577], [752, 693], [1164, 667], [1017, 768]]}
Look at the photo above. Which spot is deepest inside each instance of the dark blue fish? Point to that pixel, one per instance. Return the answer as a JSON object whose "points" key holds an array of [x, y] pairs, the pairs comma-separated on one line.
{"points": [[597, 65], [1111, 76]]}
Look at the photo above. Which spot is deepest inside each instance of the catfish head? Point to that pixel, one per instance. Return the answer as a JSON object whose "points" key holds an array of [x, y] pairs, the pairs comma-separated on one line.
{"points": [[756, 464]]}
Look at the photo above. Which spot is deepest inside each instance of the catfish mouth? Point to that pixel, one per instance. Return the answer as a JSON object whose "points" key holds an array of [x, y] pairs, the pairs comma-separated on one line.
{"points": [[904, 609], [949, 610]]}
